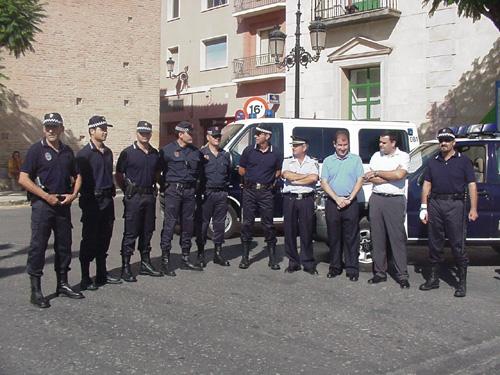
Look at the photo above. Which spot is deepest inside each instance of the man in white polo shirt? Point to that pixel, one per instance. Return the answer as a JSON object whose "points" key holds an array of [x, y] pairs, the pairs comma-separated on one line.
{"points": [[388, 170]]}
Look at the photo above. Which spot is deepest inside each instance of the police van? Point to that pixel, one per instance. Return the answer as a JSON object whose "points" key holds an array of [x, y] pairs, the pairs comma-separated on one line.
{"points": [[364, 141]]}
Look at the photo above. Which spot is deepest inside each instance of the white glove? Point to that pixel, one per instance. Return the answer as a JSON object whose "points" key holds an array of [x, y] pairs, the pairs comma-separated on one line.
{"points": [[423, 214]]}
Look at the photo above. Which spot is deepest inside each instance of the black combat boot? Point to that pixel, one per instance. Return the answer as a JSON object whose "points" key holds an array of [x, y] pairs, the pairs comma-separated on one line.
{"points": [[37, 297], [147, 267], [87, 283], [461, 289], [102, 276], [165, 264], [127, 274], [201, 258], [64, 288], [273, 261], [433, 281], [187, 265], [218, 258], [245, 261]]}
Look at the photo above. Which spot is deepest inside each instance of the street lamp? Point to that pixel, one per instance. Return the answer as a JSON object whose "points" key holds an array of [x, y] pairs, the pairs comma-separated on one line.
{"points": [[298, 55], [183, 76]]}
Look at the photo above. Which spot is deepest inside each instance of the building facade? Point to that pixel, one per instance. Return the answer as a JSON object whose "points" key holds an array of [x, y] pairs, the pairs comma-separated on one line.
{"points": [[220, 50], [89, 59], [388, 60]]}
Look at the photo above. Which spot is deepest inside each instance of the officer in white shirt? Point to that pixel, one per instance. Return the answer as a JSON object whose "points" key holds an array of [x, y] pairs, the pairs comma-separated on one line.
{"points": [[300, 173], [388, 170]]}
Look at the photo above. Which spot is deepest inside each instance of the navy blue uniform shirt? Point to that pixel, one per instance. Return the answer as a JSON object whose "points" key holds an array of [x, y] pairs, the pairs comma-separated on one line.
{"points": [[54, 168], [451, 176], [216, 169], [180, 164], [140, 168], [95, 167], [260, 166]]}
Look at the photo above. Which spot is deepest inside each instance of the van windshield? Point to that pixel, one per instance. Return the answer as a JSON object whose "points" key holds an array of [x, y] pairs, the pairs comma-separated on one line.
{"points": [[228, 132]]}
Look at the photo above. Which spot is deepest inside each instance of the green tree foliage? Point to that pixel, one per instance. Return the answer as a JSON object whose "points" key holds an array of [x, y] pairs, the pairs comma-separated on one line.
{"points": [[471, 8], [19, 22]]}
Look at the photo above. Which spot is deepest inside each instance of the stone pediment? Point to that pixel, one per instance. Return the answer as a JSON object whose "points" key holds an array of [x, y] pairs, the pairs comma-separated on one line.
{"points": [[358, 47]]}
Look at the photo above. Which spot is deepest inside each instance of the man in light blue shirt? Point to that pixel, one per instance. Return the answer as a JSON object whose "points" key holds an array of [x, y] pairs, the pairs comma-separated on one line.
{"points": [[341, 180]]}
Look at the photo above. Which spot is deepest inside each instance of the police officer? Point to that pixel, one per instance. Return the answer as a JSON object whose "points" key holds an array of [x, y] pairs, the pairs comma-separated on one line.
{"points": [[136, 172], [49, 175], [260, 166], [443, 206], [95, 164], [180, 165], [300, 173], [342, 179], [216, 169]]}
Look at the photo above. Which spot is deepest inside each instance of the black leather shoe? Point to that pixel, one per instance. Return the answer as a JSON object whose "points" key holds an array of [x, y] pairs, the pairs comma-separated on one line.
{"points": [[311, 271], [218, 258], [37, 297], [331, 274], [108, 279], [377, 279], [353, 277], [64, 289], [292, 269], [88, 284], [187, 265], [404, 284]]}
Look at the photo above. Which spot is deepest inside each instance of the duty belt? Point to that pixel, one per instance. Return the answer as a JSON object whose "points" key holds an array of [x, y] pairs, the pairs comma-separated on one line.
{"points": [[181, 185], [258, 186], [300, 196], [106, 193], [448, 197]]}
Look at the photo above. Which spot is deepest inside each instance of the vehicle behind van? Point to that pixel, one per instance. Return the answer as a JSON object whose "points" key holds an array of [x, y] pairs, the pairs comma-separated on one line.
{"points": [[364, 141]]}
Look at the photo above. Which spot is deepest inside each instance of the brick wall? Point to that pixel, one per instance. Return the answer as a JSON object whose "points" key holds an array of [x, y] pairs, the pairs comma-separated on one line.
{"points": [[89, 59]]}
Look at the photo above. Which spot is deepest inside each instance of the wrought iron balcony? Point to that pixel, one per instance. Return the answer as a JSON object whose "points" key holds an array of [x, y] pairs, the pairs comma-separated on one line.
{"points": [[336, 12], [254, 7], [255, 68]]}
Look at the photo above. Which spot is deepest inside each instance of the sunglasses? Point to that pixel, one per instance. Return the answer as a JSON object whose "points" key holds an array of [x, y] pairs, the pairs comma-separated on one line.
{"points": [[445, 139]]}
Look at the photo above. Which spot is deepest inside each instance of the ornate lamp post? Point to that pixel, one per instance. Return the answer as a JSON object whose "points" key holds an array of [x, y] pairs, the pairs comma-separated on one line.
{"points": [[183, 76], [298, 55]]}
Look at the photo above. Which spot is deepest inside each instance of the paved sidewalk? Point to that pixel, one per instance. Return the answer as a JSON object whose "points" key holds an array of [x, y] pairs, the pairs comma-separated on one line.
{"points": [[13, 198]]}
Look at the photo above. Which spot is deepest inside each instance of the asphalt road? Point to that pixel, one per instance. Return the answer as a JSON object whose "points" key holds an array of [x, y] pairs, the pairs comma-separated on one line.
{"points": [[255, 321]]}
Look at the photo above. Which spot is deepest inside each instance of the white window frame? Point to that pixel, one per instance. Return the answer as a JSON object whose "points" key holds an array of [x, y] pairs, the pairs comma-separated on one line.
{"points": [[258, 42], [204, 5], [177, 61], [169, 6], [203, 62]]}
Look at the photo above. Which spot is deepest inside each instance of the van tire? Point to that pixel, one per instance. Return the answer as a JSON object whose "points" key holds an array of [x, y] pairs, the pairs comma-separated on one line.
{"points": [[365, 246], [231, 223]]}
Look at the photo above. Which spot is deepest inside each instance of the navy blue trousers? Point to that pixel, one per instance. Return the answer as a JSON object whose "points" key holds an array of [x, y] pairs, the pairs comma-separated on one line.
{"points": [[139, 222], [45, 219], [258, 202], [180, 205]]}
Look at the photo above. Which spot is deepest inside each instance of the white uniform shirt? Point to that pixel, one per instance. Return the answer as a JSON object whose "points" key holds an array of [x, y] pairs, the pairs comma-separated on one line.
{"points": [[308, 166], [382, 162]]}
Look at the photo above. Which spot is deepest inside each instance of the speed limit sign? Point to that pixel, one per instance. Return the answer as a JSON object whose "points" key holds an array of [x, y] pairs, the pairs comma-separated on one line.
{"points": [[255, 107]]}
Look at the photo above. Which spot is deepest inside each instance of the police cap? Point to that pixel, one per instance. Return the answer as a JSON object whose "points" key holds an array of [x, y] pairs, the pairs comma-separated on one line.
{"points": [[98, 120], [445, 134], [144, 127], [52, 119], [184, 126], [264, 128], [214, 131], [297, 141]]}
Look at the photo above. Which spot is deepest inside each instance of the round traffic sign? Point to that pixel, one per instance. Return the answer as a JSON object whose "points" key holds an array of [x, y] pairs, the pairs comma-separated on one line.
{"points": [[255, 107]]}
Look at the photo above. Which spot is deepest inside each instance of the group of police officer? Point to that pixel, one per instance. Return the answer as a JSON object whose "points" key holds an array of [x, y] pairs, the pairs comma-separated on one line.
{"points": [[195, 185]]}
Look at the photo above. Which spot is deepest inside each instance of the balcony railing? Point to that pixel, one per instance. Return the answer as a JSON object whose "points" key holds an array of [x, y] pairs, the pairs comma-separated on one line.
{"points": [[243, 5], [255, 66], [332, 9]]}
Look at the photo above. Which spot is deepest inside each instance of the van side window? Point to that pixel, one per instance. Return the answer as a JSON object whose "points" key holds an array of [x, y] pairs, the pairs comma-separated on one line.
{"points": [[320, 140], [477, 154], [369, 139]]}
